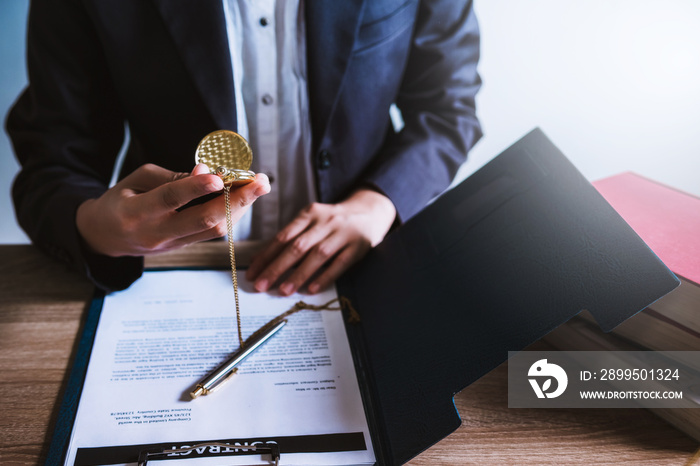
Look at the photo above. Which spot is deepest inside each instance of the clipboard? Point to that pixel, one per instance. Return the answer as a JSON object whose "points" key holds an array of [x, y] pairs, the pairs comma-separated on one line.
{"points": [[190, 443], [493, 265]]}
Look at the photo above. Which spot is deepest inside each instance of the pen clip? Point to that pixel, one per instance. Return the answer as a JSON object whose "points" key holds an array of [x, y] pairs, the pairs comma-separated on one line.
{"points": [[221, 381]]}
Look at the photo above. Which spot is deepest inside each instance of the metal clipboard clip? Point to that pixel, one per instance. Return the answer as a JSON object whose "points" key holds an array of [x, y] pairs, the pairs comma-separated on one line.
{"points": [[162, 454]]}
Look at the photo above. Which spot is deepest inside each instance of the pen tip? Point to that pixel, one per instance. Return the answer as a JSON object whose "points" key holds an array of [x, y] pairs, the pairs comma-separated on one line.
{"points": [[198, 391]]}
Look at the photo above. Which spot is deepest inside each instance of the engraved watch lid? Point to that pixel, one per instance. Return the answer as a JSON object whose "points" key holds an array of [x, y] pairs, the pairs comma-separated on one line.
{"points": [[224, 148]]}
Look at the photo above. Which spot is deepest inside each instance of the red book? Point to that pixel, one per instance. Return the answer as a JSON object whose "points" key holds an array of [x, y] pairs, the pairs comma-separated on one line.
{"points": [[667, 219]]}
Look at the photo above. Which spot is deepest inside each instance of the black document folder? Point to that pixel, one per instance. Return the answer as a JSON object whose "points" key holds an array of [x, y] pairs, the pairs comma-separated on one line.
{"points": [[491, 266]]}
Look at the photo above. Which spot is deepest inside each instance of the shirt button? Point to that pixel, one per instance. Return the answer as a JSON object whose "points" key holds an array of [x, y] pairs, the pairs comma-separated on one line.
{"points": [[324, 159], [264, 21], [267, 99]]}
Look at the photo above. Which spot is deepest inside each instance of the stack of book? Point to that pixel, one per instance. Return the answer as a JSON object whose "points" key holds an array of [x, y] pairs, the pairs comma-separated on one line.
{"points": [[668, 221]]}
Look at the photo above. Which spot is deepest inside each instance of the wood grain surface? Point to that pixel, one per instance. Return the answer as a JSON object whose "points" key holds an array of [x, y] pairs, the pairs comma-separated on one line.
{"points": [[42, 306]]}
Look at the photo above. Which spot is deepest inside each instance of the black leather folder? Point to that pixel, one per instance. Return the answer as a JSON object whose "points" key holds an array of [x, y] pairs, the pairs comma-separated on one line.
{"points": [[493, 265]]}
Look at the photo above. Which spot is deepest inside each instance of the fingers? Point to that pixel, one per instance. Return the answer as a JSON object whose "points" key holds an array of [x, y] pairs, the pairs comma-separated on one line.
{"points": [[289, 246], [210, 217], [200, 169], [248, 193], [148, 177], [292, 252], [208, 221], [320, 235], [162, 190], [216, 232], [275, 248], [261, 260], [171, 196], [338, 251], [316, 258]]}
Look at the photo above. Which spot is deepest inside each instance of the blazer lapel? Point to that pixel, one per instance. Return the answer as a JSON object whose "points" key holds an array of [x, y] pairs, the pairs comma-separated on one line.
{"points": [[331, 28], [198, 29]]}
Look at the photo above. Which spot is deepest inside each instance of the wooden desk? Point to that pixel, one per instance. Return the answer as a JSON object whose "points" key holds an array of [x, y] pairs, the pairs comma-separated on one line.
{"points": [[41, 310]]}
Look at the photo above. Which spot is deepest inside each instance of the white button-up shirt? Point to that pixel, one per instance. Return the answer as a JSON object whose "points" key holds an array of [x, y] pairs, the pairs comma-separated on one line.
{"points": [[267, 40]]}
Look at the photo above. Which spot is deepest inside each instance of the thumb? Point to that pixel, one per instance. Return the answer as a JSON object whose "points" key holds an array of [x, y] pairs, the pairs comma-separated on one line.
{"points": [[263, 183], [199, 169]]}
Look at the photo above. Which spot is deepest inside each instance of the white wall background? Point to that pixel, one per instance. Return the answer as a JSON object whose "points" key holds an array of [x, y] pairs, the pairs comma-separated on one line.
{"points": [[614, 83]]}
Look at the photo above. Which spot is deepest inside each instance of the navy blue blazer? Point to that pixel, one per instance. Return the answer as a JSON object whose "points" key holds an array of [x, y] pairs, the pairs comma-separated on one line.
{"points": [[163, 67]]}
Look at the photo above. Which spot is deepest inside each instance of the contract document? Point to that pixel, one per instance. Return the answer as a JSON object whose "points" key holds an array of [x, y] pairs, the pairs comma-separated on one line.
{"points": [[157, 339]]}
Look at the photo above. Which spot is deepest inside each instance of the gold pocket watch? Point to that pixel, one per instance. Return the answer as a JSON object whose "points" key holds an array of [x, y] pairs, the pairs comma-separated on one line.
{"points": [[228, 155]]}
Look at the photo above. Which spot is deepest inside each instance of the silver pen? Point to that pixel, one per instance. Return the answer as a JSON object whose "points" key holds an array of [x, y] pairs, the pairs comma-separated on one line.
{"points": [[222, 373]]}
